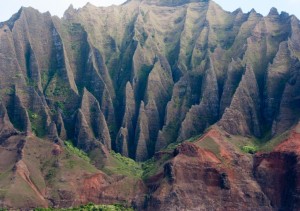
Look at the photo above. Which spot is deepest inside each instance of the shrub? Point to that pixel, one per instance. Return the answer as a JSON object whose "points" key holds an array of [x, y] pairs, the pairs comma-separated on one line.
{"points": [[251, 149], [72, 149]]}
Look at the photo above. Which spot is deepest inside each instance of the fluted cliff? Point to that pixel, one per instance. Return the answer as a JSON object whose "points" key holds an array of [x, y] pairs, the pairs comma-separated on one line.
{"points": [[138, 77]]}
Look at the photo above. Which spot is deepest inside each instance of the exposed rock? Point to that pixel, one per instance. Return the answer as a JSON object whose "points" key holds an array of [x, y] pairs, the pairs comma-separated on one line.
{"points": [[177, 57], [95, 118], [207, 112], [243, 115], [290, 101], [223, 178], [136, 78], [122, 142], [277, 173], [53, 135], [61, 127], [83, 134], [126, 133], [142, 136], [6, 127]]}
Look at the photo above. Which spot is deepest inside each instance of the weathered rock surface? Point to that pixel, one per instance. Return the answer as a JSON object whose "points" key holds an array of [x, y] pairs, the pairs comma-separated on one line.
{"points": [[278, 175], [209, 174], [136, 78], [190, 62]]}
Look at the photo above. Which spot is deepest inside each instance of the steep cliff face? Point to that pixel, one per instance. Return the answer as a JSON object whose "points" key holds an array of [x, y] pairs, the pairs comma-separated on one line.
{"points": [[188, 64], [138, 77]]}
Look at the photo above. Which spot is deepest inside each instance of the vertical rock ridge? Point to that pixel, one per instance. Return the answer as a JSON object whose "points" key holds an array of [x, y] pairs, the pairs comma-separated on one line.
{"points": [[289, 114], [83, 133], [18, 115], [95, 119], [246, 100], [206, 113], [142, 135], [6, 127], [125, 137], [185, 65], [61, 130], [277, 76]]}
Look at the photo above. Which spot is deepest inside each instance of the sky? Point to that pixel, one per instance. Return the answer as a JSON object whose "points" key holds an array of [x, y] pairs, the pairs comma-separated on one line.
{"points": [[57, 7]]}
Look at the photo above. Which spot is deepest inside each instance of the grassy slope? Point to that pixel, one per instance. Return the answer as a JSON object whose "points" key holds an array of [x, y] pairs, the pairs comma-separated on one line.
{"points": [[91, 207], [56, 172]]}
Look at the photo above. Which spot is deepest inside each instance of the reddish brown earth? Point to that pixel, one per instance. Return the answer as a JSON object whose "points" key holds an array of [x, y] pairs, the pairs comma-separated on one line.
{"points": [[138, 79], [211, 173], [37, 173], [198, 179], [278, 173], [101, 189]]}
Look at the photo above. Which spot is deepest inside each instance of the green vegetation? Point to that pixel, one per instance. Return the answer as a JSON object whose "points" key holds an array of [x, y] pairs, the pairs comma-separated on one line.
{"points": [[19, 75], [270, 145], [44, 78], [253, 145], [74, 27], [37, 123], [60, 105], [143, 75], [152, 166], [209, 144], [61, 90], [33, 116], [251, 149], [195, 138], [8, 91], [91, 207], [50, 171], [51, 174], [74, 150], [56, 87], [30, 82], [123, 165]]}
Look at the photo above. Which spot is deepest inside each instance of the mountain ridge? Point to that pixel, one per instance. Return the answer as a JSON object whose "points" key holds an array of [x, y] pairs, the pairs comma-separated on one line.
{"points": [[139, 79], [111, 83]]}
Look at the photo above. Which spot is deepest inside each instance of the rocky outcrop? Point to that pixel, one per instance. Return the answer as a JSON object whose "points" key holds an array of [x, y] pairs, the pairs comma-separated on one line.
{"points": [[191, 63], [243, 115], [6, 127], [206, 113], [142, 136], [277, 173], [95, 119], [223, 176], [141, 79]]}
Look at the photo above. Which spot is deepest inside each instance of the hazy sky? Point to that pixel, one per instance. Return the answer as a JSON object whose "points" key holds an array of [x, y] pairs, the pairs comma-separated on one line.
{"points": [[57, 7]]}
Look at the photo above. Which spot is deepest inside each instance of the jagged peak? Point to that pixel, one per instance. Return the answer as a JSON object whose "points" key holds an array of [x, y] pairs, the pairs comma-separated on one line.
{"points": [[170, 3], [273, 12], [86, 97], [128, 86], [69, 12], [70, 9], [249, 73], [129, 1], [294, 19], [284, 14], [85, 91], [10, 22], [29, 9], [253, 14], [23, 10], [252, 11], [89, 5], [238, 11]]}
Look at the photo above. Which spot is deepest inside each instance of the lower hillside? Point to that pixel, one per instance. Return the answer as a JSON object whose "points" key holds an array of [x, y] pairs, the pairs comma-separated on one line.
{"points": [[90, 206], [215, 171]]}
